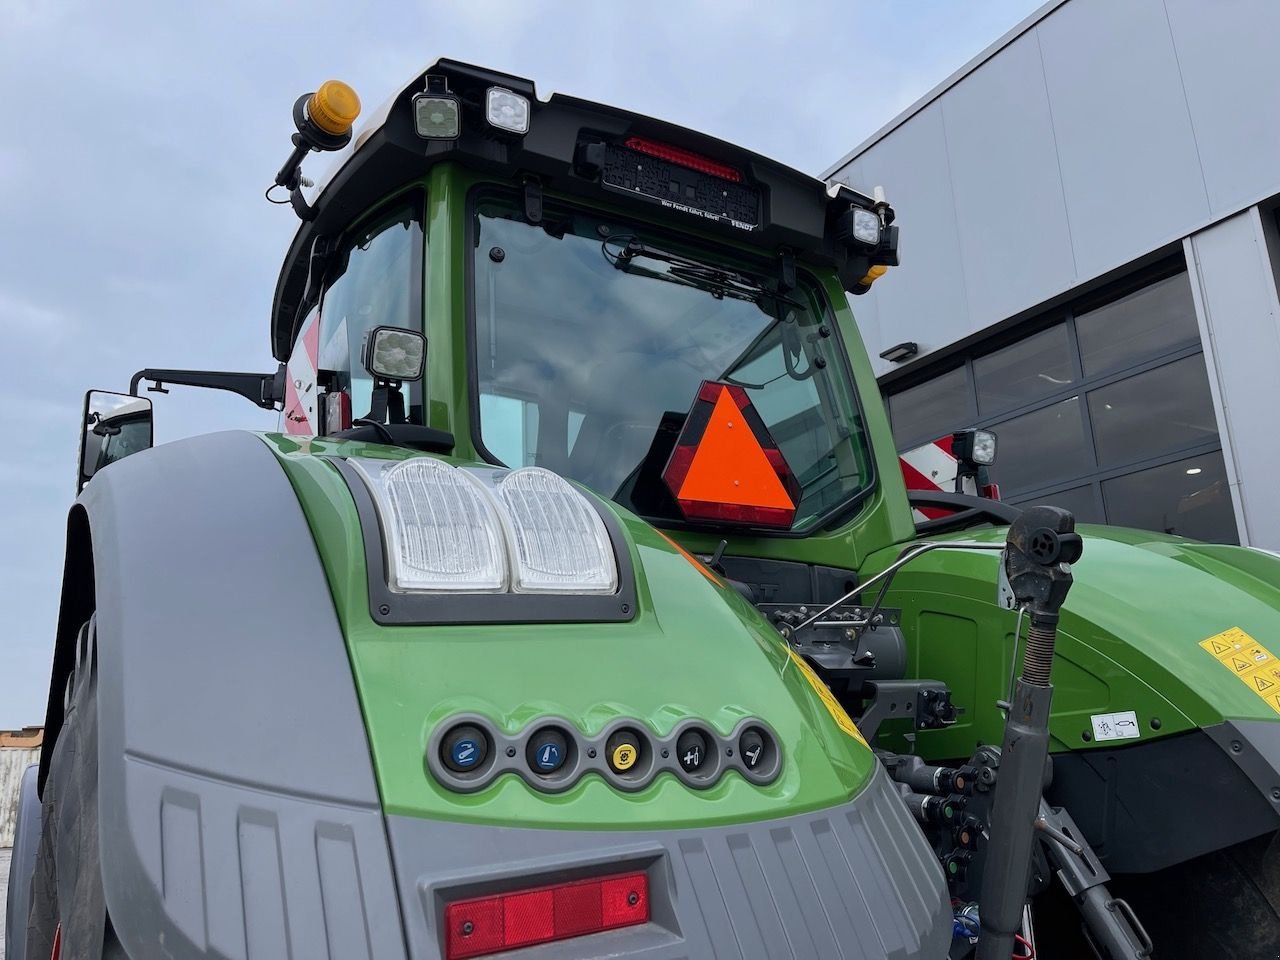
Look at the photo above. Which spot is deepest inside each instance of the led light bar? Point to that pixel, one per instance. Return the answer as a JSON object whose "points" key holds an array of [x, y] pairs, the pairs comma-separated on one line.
{"points": [[441, 531], [558, 542], [485, 925]]}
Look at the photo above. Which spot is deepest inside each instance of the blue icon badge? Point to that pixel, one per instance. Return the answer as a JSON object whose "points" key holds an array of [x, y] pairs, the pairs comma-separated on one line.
{"points": [[547, 757], [465, 753]]}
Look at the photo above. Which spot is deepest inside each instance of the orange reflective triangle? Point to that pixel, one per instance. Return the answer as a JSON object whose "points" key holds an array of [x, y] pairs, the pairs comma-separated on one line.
{"points": [[729, 465]]}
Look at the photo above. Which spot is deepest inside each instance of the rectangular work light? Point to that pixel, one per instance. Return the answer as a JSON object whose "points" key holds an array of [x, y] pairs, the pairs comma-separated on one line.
{"points": [[506, 110], [437, 116]]}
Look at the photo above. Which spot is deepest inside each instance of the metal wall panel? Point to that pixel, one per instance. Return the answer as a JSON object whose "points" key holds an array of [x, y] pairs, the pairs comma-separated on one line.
{"points": [[1227, 54], [1010, 213], [13, 761], [1130, 170], [928, 303], [1239, 315]]}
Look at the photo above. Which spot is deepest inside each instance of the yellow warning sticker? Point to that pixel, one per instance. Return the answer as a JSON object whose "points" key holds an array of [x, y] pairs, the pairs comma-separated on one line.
{"points": [[842, 719], [1255, 665]]}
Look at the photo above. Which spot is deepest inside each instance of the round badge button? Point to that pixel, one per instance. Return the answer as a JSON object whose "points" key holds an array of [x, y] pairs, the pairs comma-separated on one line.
{"points": [[691, 750], [623, 751], [547, 751], [464, 749]]}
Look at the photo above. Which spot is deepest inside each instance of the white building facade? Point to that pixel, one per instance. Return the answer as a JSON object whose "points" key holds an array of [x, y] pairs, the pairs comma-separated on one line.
{"points": [[1090, 251]]}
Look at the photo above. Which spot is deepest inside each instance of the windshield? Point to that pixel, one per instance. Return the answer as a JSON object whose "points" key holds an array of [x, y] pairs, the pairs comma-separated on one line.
{"points": [[592, 337]]}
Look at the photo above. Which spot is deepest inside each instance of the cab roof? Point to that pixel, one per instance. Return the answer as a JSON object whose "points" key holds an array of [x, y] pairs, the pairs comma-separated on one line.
{"points": [[796, 209]]}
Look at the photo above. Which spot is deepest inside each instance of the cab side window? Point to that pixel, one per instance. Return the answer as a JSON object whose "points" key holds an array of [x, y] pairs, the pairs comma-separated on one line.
{"points": [[375, 281]]}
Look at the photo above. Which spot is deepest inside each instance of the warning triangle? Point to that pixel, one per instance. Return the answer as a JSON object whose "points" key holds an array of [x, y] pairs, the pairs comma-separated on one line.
{"points": [[1220, 647], [730, 466], [1241, 665], [1274, 700], [1262, 683]]}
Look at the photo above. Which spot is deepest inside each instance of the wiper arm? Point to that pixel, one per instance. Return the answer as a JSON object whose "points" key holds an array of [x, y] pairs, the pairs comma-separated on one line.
{"points": [[720, 282]]}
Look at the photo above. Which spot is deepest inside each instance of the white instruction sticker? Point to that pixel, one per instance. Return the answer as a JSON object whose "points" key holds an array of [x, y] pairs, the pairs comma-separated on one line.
{"points": [[1116, 726]]}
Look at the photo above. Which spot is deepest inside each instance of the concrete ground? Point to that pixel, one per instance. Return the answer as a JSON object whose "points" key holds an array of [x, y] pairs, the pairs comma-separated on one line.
{"points": [[4, 883]]}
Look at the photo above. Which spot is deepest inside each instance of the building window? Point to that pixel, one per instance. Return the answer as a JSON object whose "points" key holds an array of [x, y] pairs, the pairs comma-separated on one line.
{"points": [[1106, 411]]}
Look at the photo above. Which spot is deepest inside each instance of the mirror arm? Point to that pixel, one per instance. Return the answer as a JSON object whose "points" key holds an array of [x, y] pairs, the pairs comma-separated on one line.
{"points": [[263, 389]]}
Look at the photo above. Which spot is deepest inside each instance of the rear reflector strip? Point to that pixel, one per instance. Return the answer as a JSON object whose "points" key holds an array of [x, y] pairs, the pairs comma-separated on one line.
{"points": [[683, 158], [488, 925]]}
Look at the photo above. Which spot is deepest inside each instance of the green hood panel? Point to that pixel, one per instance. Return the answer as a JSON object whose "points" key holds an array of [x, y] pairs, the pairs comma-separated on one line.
{"points": [[1129, 639], [694, 649]]}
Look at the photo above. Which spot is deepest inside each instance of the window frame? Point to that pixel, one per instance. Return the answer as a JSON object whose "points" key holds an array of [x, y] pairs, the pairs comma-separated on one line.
{"points": [[838, 515]]}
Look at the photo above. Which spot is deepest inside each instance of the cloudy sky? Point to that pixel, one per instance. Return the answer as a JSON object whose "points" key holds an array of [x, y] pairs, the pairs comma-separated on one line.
{"points": [[136, 139]]}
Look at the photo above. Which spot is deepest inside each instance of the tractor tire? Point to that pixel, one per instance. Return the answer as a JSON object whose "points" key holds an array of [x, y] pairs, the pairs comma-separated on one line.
{"points": [[1224, 905], [66, 885]]}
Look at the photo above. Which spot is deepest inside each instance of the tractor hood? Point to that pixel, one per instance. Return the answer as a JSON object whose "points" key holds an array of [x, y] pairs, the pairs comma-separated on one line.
{"points": [[690, 652], [1137, 633]]}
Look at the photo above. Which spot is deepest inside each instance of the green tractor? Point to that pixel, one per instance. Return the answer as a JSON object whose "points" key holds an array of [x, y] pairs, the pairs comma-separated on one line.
{"points": [[578, 609]]}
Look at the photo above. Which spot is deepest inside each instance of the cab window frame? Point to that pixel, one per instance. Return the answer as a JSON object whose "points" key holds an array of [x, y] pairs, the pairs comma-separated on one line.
{"points": [[839, 515]]}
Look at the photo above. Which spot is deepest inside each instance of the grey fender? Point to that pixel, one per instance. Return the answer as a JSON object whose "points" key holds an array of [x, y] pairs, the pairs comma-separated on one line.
{"points": [[22, 864], [240, 817]]}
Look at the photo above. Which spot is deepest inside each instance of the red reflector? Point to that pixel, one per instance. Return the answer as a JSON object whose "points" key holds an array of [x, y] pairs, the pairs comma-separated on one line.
{"points": [[726, 466], [991, 491], [487, 925], [683, 158]]}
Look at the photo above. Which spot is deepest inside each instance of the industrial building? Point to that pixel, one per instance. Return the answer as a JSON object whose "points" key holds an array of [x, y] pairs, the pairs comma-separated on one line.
{"points": [[1089, 263]]}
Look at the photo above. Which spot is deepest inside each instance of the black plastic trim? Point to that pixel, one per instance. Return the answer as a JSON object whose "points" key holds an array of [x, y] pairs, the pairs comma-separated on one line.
{"points": [[389, 608], [588, 755], [836, 516], [971, 510]]}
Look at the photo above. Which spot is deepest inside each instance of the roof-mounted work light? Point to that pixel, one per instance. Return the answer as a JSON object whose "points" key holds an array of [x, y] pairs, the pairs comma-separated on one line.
{"points": [[324, 120], [437, 113], [506, 110]]}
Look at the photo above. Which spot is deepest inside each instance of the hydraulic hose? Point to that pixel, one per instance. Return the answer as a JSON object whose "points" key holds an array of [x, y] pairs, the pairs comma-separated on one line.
{"points": [[1041, 546]]}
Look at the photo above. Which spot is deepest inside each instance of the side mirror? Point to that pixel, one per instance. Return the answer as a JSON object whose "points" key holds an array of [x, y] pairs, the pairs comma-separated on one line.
{"points": [[115, 426]]}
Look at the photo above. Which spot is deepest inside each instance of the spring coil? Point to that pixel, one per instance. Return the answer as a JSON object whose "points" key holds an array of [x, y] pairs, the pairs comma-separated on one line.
{"points": [[1039, 656]]}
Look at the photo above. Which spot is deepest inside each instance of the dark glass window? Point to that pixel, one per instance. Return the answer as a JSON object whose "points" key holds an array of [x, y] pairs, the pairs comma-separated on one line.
{"points": [[1081, 501], [1037, 366], [1147, 323], [1041, 447], [933, 409], [1160, 411], [1189, 498]]}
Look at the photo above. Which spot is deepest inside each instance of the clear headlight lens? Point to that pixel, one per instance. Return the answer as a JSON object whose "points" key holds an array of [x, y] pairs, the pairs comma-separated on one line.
{"points": [[451, 530], [558, 542], [442, 531], [984, 447]]}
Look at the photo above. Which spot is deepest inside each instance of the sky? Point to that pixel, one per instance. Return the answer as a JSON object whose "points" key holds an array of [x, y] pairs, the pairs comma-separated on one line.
{"points": [[136, 140]]}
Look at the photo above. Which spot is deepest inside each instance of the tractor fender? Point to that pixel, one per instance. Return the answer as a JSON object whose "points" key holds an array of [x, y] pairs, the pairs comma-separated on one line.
{"points": [[233, 762]]}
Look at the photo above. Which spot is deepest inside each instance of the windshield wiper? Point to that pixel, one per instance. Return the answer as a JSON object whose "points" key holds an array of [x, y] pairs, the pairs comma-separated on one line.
{"points": [[720, 282]]}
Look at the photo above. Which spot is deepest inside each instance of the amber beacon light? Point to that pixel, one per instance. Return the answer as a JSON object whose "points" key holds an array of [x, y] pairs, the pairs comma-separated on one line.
{"points": [[323, 120]]}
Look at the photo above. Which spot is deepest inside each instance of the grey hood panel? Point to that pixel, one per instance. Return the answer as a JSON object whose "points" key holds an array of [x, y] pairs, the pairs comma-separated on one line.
{"points": [[857, 882]]}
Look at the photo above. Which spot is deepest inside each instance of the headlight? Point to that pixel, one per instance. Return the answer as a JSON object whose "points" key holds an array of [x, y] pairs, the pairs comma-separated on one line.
{"points": [[441, 528], [558, 541], [452, 530]]}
